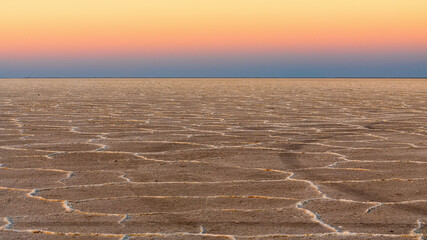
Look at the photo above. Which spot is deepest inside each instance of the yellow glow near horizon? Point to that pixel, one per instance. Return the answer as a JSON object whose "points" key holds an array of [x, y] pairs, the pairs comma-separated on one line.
{"points": [[40, 26]]}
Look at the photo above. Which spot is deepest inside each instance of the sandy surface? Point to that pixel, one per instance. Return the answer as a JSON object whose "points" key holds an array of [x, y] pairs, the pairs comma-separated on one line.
{"points": [[213, 159]]}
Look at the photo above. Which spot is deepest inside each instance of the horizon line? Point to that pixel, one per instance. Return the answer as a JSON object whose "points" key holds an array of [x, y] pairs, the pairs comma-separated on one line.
{"points": [[365, 77]]}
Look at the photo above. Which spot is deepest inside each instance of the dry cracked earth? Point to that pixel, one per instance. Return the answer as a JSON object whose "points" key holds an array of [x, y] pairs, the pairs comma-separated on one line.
{"points": [[213, 159]]}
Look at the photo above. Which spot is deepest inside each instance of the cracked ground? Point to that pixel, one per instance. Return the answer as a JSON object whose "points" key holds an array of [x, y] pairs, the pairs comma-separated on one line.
{"points": [[213, 159]]}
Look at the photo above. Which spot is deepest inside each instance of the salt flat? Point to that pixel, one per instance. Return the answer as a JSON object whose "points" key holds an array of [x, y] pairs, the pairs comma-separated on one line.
{"points": [[213, 158]]}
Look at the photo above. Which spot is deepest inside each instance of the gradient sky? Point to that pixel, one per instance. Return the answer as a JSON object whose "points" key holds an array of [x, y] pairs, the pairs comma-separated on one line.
{"points": [[213, 38]]}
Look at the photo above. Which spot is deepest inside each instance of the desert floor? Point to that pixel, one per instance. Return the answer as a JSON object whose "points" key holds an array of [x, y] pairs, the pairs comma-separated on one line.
{"points": [[213, 159]]}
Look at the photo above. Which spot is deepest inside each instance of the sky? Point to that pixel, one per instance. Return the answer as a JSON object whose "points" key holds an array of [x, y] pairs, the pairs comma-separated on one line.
{"points": [[213, 38]]}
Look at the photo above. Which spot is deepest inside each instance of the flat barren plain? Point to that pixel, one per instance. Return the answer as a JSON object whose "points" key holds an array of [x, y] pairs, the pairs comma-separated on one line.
{"points": [[213, 159]]}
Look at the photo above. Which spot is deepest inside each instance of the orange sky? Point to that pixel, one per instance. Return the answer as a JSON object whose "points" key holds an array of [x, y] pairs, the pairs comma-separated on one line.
{"points": [[79, 27]]}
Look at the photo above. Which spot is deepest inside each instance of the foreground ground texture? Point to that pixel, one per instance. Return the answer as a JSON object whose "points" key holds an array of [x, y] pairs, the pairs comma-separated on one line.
{"points": [[213, 159]]}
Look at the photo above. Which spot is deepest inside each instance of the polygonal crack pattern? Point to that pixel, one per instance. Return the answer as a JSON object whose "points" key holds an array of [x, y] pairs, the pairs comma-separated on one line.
{"points": [[213, 159]]}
